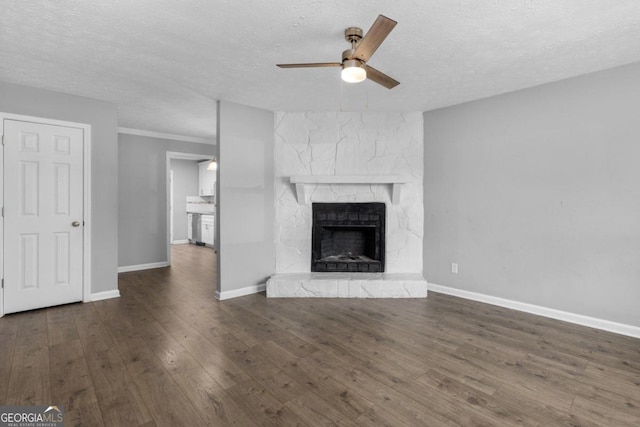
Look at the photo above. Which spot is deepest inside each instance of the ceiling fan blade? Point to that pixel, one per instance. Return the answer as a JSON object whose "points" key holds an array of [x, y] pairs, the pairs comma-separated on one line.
{"points": [[381, 78], [374, 37], [310, 65]]}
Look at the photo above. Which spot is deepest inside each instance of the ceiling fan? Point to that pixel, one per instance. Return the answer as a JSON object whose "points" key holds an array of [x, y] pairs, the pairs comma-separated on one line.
{"points": [[354, 60]]}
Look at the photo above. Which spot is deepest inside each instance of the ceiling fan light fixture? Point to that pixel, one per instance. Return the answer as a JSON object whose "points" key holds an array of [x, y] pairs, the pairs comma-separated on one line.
{"points": [[352, 71]]}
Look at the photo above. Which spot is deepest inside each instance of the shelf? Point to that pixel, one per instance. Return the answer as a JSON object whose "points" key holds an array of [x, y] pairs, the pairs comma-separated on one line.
{"points": [[302, 183]]}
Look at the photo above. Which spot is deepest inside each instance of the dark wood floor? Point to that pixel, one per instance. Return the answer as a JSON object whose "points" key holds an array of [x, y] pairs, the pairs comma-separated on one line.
{"points": [[167, 353]]}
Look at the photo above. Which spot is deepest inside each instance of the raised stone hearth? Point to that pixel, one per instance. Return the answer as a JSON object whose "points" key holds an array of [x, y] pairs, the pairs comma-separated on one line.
{"points": [[347, 285]]}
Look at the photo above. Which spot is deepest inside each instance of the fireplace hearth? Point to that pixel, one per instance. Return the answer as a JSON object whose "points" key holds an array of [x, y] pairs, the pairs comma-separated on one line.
{"points": [[348, 237]]}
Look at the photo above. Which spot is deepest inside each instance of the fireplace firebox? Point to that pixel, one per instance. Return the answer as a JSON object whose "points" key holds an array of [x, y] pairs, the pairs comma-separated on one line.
{"points": [[348, 237]]}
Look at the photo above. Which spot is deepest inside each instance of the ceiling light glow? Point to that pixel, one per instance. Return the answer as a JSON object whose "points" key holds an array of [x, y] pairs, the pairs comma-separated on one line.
{"points": [[353, 72]]}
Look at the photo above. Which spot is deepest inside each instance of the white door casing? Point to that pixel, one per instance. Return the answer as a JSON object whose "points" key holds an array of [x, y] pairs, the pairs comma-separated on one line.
{"points": [[171, 206], [43, 215]]}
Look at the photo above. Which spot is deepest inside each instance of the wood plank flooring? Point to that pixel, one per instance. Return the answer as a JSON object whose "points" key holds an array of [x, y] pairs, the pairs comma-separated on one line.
{"points": [[168, 354]]}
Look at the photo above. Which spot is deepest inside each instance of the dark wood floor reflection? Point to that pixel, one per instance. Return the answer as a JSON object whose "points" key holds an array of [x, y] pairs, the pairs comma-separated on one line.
{"points": [[167, 353]]}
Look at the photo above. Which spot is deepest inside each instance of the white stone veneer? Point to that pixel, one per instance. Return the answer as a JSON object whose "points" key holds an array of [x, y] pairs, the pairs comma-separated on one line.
{"points": [[346, 285], [354, 144]]}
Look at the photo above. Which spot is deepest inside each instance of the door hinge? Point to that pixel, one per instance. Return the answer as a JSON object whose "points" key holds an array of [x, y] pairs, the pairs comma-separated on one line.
{"points": [[2, 283]]}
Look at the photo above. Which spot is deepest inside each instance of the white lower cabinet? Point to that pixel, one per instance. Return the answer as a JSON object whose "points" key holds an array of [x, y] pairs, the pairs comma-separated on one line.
{"points": [[208, 230]]}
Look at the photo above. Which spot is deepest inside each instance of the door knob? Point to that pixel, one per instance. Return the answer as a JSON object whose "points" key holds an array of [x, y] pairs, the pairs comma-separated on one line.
{"points": [[75, 223]]}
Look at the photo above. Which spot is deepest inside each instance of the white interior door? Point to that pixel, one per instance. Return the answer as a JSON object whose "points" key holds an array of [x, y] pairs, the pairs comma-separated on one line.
{"points": [[43, 215]]}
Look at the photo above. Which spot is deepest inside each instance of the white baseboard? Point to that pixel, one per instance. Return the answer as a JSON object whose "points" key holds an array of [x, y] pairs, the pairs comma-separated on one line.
{"points": [[180, 242], [249, 290], [138, 267], [99, 296], [579, 319]]}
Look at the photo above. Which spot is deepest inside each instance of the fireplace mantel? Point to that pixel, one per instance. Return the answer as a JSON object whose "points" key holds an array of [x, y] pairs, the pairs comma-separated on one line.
{"points": [[303, 182]]}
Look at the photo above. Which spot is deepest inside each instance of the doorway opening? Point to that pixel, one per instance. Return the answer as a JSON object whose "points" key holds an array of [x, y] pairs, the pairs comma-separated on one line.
{"points": [[185, 196]]}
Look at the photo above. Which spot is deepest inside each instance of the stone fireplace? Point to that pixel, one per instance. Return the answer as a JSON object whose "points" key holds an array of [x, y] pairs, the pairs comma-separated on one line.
{"points": [[368, 168], [348, 237]]}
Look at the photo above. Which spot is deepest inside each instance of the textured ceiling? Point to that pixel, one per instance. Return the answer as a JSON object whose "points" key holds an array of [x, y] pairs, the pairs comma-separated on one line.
{"points": [[165, 62]]}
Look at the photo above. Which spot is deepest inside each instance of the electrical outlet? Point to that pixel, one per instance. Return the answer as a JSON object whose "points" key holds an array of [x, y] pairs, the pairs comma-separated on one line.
{"points": [[454, 267]]}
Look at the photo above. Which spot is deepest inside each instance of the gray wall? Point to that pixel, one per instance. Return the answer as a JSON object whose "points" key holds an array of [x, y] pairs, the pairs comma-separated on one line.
{"points": [[246, 197], [102, 116], [536, 195], [142, 196], [185, 183]]}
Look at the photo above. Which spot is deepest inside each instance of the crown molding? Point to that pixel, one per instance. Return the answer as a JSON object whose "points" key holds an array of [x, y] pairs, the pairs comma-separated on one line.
{"points": [[161, 135]]}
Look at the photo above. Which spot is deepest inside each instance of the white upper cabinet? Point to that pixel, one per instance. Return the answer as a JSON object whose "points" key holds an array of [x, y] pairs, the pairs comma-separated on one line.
{"points": [[207, 180]]}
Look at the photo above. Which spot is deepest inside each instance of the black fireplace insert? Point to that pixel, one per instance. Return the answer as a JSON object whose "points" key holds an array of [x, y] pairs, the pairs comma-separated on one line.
{"points": [[348, 237]]}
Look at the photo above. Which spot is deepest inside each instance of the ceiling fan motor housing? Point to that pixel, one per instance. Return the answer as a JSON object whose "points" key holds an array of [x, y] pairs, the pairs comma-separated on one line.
{"points": [[348, 55], [346, 63]]}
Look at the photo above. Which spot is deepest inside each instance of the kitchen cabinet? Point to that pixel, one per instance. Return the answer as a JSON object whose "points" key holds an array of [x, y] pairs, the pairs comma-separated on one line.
{"points": [[207, 179], [208, 231], [204, 230]]}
